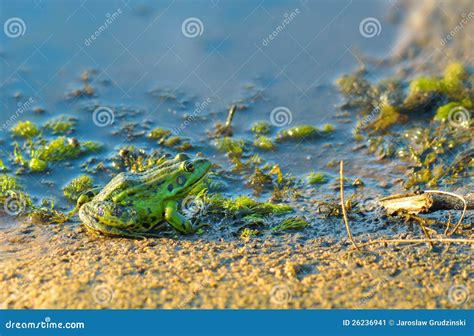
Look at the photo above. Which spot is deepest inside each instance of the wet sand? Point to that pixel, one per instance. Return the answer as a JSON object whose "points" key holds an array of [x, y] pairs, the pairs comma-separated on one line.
{"points": [[72, 268]]}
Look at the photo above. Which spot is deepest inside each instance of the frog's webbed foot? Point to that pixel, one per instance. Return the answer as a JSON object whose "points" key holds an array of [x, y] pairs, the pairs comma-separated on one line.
{"points": [[177, 220]]}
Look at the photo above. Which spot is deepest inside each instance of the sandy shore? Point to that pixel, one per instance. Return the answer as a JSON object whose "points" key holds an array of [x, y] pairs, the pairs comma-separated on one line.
{"points": [[77, 270]]}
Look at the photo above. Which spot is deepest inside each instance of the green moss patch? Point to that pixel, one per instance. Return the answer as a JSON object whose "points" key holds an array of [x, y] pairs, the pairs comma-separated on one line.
{"points": [[78, 186]]}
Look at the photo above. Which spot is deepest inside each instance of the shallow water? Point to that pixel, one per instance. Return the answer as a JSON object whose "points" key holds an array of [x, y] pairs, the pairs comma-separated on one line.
{"points": [[143, 53]]}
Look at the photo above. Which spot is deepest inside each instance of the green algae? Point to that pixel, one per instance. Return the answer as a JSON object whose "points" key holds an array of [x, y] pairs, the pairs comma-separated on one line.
{"points": [[165, 138], [37, 165], [13, 200], [387, 117], [303, 132], [263, 142], [47, 214], [159, 133], [60, 149], [3, 167], [26, 129], [451, 84], [429, 150], [230, 146], [454, 85], [443, 112], [247, 234], [61, 125], [244, 205], [91, 146], [293, 223], [77, 187], [36, 152], [328, 128], [255, 219], [317, 178], [8, 182], [260, 127], [298, 132]]}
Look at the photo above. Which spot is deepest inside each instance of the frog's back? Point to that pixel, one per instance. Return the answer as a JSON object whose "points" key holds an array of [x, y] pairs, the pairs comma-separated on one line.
{"points": [[139, 181], [115, 186]]}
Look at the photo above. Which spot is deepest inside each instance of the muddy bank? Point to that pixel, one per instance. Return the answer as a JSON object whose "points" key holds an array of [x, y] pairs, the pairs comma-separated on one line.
{"points": [[79, 271]]}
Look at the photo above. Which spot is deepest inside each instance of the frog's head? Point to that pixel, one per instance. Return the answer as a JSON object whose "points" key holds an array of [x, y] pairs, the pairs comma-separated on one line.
{"points": [[187, 174]]}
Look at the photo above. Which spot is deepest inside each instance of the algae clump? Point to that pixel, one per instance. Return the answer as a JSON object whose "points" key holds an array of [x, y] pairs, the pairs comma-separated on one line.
{"points": [[244, 205], [60, 125], [230, 146], [26, 129], [77, 187], [317, 178], [248, 234], [263, 142], [13, 200], [294, 223], [260, 127]]}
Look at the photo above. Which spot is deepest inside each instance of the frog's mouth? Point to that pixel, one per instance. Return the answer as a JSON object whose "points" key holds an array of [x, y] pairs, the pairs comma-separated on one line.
{"points": [[88, 218]]}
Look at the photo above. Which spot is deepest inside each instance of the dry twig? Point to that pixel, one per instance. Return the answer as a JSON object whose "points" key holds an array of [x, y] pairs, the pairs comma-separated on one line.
{"points": [[343, 204]]}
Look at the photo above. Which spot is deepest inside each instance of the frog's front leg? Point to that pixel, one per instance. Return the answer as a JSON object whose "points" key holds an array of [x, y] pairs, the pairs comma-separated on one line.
{"points": [[83, 199], [87, 196], [177, 220]]}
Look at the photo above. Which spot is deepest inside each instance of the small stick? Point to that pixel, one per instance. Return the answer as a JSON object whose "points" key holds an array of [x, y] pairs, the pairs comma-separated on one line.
{"points": [[226, 129], [426, 202], [459, 197], [343, 204], [230, 116], [448, 224], [426, 234]]}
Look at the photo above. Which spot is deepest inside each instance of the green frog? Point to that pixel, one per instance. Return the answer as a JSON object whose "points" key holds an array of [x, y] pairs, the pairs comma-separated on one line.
{"points": [[139, 204]]}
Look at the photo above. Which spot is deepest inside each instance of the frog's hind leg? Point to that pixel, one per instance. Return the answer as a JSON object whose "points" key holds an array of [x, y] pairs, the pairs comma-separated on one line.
{"points": [[83, 199]]}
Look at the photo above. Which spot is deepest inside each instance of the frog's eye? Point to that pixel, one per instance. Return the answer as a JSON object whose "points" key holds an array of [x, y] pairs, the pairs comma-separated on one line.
{"points": [[188, 167]]}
